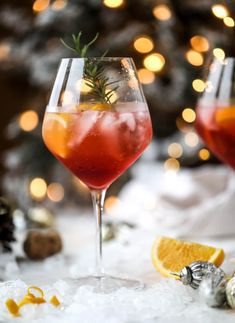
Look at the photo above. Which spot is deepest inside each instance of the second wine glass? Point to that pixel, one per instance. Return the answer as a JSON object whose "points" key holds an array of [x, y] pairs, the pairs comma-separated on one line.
{"points": [[215, 121]]}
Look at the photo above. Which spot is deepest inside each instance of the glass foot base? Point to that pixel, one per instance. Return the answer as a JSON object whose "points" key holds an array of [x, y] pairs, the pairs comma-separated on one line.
{"points": [[105, 283]]}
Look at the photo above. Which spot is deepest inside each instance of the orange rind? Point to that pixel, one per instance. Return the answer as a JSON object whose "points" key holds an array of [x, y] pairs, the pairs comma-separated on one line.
{"points": [[30, 298], [95, 107]]}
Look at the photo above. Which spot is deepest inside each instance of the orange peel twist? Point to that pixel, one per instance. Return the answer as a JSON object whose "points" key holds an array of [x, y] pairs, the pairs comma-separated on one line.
{"points": [[30, 298]]}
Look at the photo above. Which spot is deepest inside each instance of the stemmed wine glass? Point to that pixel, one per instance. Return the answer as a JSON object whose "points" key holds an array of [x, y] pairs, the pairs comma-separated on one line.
{"points": [[97, 124], [215, 121]]}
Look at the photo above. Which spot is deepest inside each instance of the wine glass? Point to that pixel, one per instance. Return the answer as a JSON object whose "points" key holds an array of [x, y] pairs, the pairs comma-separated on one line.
{"points": [[215, 121], [97, 124]]}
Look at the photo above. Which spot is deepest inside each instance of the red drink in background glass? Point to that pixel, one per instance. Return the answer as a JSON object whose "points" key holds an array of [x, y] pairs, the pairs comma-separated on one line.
{"points": [[215, 121], [216, 126]]}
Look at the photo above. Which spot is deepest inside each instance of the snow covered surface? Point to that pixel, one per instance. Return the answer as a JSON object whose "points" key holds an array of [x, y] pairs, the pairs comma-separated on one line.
{"points": [[162, 300], [196, 204]]}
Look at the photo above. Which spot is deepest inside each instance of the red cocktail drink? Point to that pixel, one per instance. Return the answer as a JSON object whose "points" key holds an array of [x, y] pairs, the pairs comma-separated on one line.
{"points": [[98, 146]]}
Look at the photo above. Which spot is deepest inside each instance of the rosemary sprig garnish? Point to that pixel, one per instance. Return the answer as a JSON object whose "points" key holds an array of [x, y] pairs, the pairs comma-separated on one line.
{"points": [[94, 75]]}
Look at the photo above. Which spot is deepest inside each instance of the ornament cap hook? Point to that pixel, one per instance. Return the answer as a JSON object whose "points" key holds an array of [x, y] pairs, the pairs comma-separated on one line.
{"points": [[176, 274]]}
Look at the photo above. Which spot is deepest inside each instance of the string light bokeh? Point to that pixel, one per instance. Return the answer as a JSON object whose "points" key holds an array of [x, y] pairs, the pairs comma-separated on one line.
{"points": [[229, 22], [40, 5], [162, 12], [156, 68], [55, 192], [198, 85], [38, 188], [58, 5], [194, 57], [5, 50], [143, 44], [200, 43], [219, 53], [154, 62], [113, 3], [189, 115], [28, 120], [219, 10], [146, 76]]}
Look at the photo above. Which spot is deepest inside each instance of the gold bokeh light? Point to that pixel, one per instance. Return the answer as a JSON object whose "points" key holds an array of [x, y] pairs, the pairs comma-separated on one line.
{"points": [[40, 5], [113, 3], [58, 5], [204, 154], [189, 115], [200, 43], [55, 192], [229, 22], [175, 150], [143, 44], [194, 57], [145, 76], [38, 188], [191, 139], [171, 164], [162, 12], [220, 11], [28, 120], [111, 203], [219, 53], [154, 62], [5, 50], [198, 85]]}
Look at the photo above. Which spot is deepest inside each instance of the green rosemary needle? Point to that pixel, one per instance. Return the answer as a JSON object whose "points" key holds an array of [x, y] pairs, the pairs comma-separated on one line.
{"points": [[94, 75]]}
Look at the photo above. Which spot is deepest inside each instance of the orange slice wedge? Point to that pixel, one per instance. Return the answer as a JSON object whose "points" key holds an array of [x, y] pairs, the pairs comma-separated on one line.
{"points": [[171, 255], [56, 132], [225, 115], [225, 119], [95, 107]]}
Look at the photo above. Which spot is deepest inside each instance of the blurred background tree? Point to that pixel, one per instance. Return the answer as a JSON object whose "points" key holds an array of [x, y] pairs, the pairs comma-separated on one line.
{"points": [[170, 42]]}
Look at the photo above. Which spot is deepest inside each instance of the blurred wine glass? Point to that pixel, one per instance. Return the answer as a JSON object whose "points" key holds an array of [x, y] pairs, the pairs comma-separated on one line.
{"points": [[215, 121]]}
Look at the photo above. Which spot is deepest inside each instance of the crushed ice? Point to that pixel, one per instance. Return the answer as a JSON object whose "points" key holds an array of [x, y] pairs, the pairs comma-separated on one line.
{"points": [[166, 299]]}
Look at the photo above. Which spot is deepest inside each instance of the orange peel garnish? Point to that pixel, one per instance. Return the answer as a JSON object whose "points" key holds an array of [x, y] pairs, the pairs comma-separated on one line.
{"points": [[54, 301], [225, 115], [30, 298], [12, 307], [30, 288]]}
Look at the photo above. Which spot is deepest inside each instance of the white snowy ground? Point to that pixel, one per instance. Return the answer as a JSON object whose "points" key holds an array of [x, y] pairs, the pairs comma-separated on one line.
{"points": [[162, 300]]}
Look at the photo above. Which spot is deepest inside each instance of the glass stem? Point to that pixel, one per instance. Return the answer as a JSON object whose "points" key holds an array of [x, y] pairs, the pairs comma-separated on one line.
{"points": [[98, 207]]}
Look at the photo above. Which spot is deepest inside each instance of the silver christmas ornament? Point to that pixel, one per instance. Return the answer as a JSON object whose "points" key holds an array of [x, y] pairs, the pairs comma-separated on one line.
{"points": [[212, 289], [194, 273], [230, 292]]}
